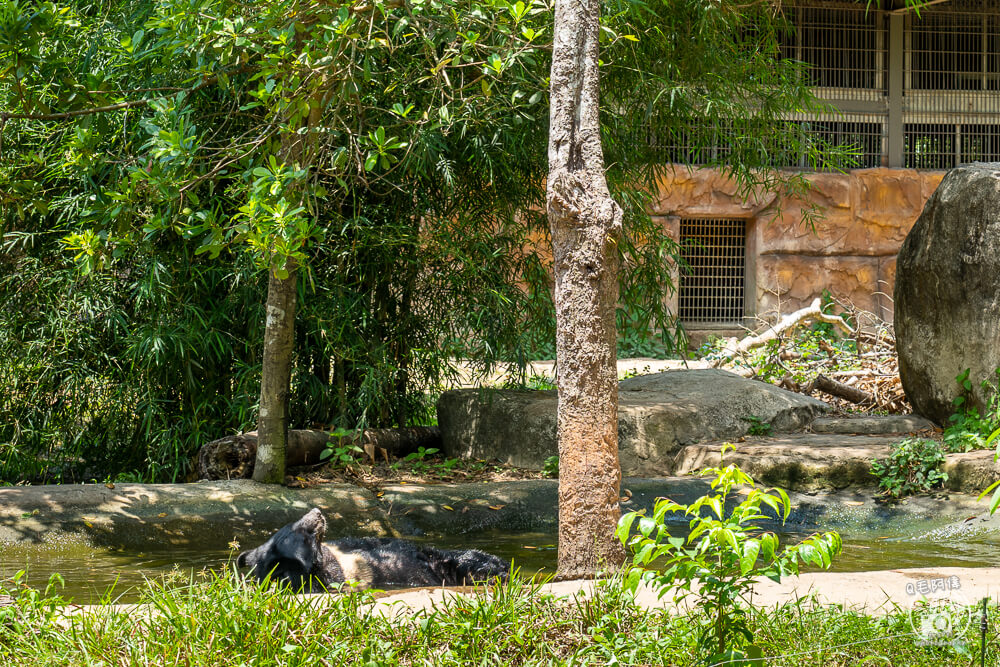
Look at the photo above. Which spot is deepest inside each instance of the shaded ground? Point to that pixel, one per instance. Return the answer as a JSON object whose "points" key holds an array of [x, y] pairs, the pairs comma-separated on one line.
{"points": [[432, 469]]}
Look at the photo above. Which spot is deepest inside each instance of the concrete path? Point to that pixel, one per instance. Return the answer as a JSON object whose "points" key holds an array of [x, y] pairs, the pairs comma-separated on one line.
{"points": [[872, 592], [547, 369]]}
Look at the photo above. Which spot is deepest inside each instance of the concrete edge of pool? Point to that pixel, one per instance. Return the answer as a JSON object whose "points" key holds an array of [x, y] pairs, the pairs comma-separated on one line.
{"points": [[160, 516]]}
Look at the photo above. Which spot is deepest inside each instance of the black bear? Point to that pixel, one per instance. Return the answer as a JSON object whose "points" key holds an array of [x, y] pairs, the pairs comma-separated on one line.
{"points": [[297, 555]]}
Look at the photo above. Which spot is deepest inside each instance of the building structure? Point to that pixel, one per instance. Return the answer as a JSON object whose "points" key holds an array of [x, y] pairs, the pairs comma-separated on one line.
{"points": [[915, 93]]}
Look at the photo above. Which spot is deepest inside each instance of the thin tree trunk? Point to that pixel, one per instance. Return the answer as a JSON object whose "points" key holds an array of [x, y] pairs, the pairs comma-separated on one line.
{"points": [[276, 376], [279, 338], [586, 224]]}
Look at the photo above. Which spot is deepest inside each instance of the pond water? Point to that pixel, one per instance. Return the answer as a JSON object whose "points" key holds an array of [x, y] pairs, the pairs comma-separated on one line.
{"points": [[90, 573]]}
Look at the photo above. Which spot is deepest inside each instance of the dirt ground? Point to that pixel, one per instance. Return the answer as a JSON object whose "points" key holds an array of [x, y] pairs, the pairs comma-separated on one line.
{"points": [[427, 470]]}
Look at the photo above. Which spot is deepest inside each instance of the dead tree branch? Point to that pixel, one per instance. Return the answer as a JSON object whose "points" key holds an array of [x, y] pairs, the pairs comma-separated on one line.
{"points": [[787, 323]]}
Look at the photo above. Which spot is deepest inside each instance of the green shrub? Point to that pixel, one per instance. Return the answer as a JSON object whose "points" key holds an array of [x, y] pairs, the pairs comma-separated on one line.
{"points": [[968, 429], [757, 426], [551, 467], [720, 558], [912, 467]]}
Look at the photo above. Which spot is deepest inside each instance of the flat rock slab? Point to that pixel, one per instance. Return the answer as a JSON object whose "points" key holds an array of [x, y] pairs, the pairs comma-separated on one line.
{"points": [[799, 462], [199, 514], [971, 472], [658, 414], [812, 461], [871, 425]]}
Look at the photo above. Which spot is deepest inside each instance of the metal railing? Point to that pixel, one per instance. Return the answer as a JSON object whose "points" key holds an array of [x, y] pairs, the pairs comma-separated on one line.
{"points": [[917, 91]]}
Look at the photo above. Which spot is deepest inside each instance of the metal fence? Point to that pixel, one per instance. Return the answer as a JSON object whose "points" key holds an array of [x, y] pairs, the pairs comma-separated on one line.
{"points": [[917, 91]]}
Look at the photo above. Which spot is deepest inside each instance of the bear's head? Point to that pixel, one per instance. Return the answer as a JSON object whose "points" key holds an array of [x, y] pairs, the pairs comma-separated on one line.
{"points": [[294, 555]]}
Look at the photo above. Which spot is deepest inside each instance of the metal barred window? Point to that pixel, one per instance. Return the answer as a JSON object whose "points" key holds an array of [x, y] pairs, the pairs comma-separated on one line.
{"points": [[951, 103], [713, 272], [906, 88], [843, 42]]}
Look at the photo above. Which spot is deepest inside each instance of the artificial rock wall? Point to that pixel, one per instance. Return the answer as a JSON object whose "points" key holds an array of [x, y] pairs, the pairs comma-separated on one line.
{"points": [[863, 218]]}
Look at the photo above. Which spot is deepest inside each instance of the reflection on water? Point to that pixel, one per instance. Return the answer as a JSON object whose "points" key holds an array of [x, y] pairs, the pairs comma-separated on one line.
{"points": [[91, 572]]}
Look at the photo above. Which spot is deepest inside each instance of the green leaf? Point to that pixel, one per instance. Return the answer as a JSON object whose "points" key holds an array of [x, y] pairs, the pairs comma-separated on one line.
{"points": [[748, 560], [768, 545], [726, 536], [715, 503], [625, 526]]}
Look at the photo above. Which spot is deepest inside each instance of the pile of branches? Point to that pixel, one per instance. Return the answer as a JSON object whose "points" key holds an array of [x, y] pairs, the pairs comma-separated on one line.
{"points": [[856, 369]]}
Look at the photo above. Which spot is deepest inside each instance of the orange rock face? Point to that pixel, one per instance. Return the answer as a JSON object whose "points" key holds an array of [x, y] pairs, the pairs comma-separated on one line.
{"points": [[860, 220]]}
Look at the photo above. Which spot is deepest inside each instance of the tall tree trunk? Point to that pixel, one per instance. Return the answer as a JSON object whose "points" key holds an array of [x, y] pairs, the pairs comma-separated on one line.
{"points": [[279, 336], [586, 224], [276, 377]]}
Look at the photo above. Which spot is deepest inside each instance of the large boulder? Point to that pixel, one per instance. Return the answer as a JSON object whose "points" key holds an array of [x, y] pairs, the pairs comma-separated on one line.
{"points": [[947, 294], [658, 414]]}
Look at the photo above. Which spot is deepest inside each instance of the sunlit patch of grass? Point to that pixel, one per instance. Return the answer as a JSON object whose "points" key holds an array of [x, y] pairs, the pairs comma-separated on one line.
{"points": [[217, 618]]}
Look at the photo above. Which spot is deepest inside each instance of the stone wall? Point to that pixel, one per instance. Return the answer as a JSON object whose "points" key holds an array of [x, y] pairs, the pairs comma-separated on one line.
{"points": [[863, 218]]}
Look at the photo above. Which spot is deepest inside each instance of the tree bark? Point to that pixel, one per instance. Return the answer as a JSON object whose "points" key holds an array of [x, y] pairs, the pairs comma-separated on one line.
{"points": [[585, 223], [276, 376], [279, 335], [840, 390]]}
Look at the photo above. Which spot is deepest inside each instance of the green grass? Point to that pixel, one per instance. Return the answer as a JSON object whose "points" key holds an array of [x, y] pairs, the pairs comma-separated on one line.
{"points": [[216, 619]]}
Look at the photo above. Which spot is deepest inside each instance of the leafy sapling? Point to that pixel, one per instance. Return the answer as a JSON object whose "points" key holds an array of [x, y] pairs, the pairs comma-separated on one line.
{"points": [[416, 459], [551, 467], [341, 450], [720, 558], [757, 426]]}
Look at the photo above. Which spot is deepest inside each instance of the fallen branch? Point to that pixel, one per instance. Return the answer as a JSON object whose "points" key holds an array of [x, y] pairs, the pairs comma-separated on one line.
{"points": [[814, 312], [840, 390]]}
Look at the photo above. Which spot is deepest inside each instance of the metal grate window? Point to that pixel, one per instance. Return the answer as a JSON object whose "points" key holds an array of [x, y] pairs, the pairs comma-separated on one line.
{"points": [[928, 146], [906, 89], [844, 43], [942, 146], [951, 103], [861, 134], [713, 270], [955, 48]]}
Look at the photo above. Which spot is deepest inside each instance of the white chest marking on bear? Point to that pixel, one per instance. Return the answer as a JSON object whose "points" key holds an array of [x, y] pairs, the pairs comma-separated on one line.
{"points": [[354, 566]]}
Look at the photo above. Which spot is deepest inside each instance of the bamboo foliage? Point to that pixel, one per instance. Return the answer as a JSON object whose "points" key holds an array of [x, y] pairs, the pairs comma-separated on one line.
{"points": [[132, 287]]}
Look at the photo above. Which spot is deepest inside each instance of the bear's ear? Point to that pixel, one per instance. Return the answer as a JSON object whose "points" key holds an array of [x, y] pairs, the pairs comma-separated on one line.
{"points": [[241, 560]]}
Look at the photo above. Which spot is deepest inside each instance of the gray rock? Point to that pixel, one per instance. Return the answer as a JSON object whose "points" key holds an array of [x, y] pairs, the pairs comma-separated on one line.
{"points": [[947, 294], [657, 415], [971, 472], [204, 514], [871, 424], [797, 462]]}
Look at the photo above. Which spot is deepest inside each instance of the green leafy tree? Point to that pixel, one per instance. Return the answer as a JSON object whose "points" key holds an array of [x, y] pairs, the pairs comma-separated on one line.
{"points": [[409, 141], [720, 558]]}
